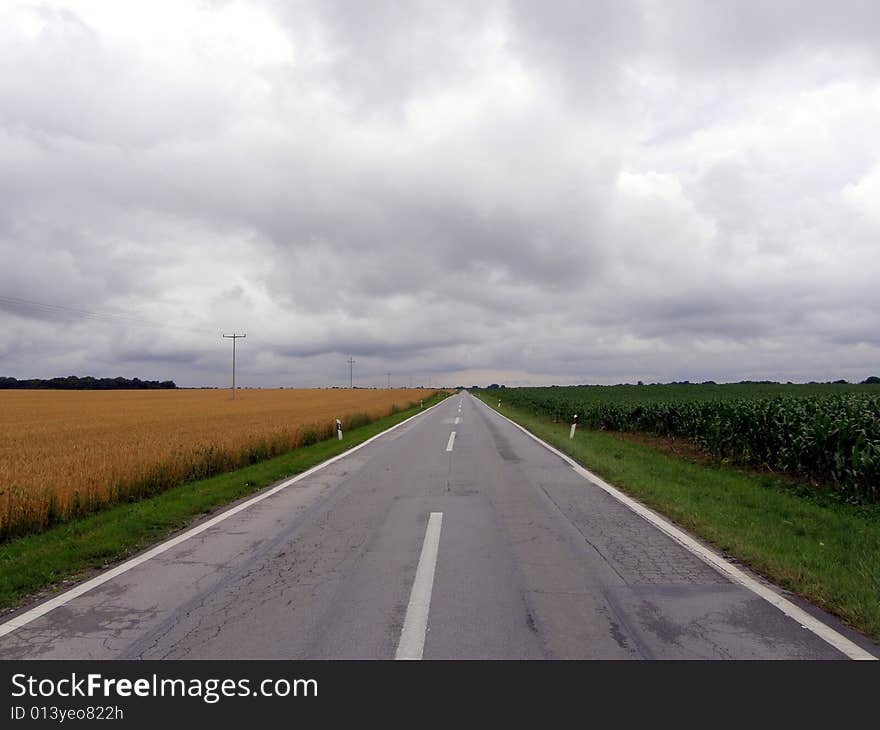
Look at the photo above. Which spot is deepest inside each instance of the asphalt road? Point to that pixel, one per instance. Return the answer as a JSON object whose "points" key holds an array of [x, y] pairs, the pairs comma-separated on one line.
{"points": [[481, 545]]}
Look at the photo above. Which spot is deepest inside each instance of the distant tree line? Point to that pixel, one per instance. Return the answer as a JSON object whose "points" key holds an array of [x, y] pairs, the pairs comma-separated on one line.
{"points": [[872, 380], [73, 382]]}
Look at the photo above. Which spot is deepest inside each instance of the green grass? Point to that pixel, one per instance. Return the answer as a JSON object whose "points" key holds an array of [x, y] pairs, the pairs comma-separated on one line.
{"points": [[806, 541], [70, 551]]}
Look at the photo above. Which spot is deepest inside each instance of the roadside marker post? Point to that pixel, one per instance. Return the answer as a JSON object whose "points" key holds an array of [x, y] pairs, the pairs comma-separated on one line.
{"points": [[573, 426], [339, 429]]}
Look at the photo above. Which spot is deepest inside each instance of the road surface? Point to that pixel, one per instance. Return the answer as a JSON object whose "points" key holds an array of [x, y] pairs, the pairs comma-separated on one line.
{"points": [[452, 536]]}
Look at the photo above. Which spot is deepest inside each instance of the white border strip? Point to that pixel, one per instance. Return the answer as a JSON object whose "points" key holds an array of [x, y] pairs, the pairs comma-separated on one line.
{"points": [[823, 631], [42, 609], [415, 625]]}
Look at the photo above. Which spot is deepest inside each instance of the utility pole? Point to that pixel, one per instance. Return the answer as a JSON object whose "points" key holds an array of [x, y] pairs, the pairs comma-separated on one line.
{"points": [[234, 337], [388, 373], [350, 371]]}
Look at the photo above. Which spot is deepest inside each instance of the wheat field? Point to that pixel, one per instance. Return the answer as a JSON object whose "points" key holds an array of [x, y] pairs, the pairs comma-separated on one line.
{"points": [[64, 453]]}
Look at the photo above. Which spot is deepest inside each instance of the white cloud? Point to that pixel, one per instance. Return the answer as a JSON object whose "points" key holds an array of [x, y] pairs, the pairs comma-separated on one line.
{"points": [[863, 197]]}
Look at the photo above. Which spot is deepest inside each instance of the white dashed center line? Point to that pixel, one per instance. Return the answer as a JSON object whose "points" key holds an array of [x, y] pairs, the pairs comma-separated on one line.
{"points": [[415, 625]]}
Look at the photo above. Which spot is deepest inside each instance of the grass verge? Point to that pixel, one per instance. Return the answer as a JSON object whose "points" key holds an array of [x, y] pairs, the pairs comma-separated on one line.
{"points": [[809, 543], [64, 554]]}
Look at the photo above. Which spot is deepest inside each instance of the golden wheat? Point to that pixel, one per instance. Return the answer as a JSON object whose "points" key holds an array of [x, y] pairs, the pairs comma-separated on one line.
{"points": [[68, 452]]}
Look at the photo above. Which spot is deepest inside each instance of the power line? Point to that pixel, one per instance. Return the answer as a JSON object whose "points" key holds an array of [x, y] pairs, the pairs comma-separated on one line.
{"points": [[48, 311], [29, 307], [234, 337]]}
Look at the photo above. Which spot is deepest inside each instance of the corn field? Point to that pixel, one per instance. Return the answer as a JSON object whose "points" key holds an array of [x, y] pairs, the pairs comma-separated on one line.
{"points": [[820, 435]]}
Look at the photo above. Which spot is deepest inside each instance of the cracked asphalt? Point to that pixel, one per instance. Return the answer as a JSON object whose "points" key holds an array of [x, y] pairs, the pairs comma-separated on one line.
{"points": [[534, 562]]}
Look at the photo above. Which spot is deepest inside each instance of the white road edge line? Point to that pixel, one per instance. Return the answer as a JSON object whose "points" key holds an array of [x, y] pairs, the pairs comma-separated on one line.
{"points": [[451, 441], [42, 609], [808, 621], [415, 625]]}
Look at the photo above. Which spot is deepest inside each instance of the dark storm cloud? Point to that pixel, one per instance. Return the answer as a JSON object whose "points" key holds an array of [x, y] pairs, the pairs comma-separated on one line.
{"points": [[586, 42], [174, 358], [536, 192], [388, 50], [748, 32]]}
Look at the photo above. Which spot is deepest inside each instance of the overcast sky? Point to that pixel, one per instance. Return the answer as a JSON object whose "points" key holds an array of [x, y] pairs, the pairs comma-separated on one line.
{"points": [[462, 192]]}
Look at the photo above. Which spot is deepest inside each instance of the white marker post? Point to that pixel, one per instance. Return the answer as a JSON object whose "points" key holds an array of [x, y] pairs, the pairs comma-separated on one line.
{"points": [[339, 429], [499, 404], [573, 426]]}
